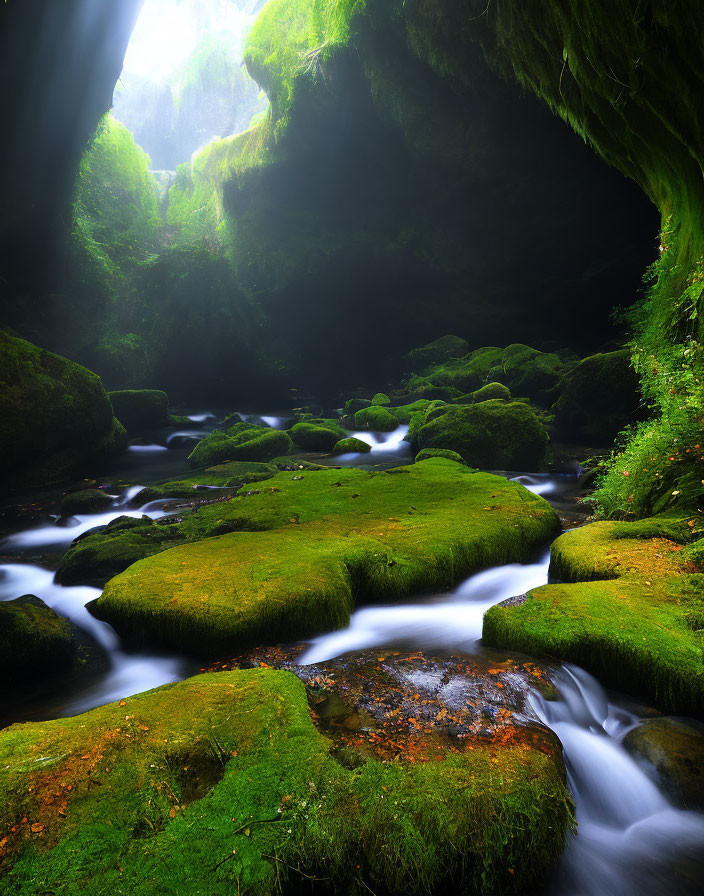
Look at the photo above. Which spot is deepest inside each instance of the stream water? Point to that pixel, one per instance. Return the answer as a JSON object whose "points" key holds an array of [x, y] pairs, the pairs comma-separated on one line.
{"points": [[631, 840]]}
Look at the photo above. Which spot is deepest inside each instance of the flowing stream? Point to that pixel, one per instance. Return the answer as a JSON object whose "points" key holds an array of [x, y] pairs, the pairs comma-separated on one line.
{"points": [[631, 840]]}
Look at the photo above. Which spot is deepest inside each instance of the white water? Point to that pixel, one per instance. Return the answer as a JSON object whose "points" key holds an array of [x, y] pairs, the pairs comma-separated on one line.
{"points": [[453, 621], [60, 532], [129, 673], [630, 837]]}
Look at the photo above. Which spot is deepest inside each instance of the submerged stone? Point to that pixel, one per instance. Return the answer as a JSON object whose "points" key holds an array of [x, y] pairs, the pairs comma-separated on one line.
{"points": [[674, 749], [223, 784], [305, 547]]}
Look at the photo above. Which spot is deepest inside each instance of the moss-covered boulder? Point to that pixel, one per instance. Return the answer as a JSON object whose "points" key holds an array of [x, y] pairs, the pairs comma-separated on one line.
{"points": [[427, 453], [242, 441], [98, 556], [375, 419], [140, 409], [495, 435], [305, 546], [489, 392], [442, 349], [55, 416], [403, 413], [317, 434], [345, 446], [598, 398], [90, 500], [352, 405], [34, 640], [674, 749], [380, 399], [531, 373], [222, 784], [628, 608]]}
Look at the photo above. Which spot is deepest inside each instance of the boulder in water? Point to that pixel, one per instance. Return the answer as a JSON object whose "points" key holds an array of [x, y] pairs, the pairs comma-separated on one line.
{"points": [[243, 441], [375, 419], [90, 500], [357, 446], [229, 769], [674, 748], [316, 434], [495, 435], [34, 640], [380, 399], [140, 409], [55, 416]]}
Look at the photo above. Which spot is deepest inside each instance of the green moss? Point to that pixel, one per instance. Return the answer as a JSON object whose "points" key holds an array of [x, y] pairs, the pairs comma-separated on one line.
{"points": [[629, 609], [54, 415], [34, 640], [380, 399], [90, 500], [530, 372], [317, 434], [140, 409], [357, 446], [490, 391], [222, 784], [442, 349], [598, 398], [439, 452], [353, 405], [492, 434], [241, 442], [310, 545], [403, 413], [375, 419]]}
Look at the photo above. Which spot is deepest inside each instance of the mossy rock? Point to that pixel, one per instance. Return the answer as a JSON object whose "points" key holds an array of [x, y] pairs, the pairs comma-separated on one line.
{"points": [[494, 435], [442, 349], [352, 405], [674, 748], [241, 442], [375, 419], [427, 453], [491, 391], [98, 556], [90, 500], [629, 609], [55, 416], [468, 373], [305, 547], [140, 409], [357, 446], [34, 640], [403, 413], [380, 399], [532, 373], [598, 398], [317, 434], [222, 784]]}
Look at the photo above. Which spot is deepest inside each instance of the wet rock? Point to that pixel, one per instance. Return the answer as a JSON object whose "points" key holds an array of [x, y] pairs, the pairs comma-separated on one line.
{"points": [[674, 748], [375, 419], [86, 501], [34, 639], [140, 409], [357, 446]]}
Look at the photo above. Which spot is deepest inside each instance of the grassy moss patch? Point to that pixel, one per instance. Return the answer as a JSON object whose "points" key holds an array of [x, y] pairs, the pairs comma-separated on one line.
{"points": [[630, 609], [221, 784], [304, 547]]}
